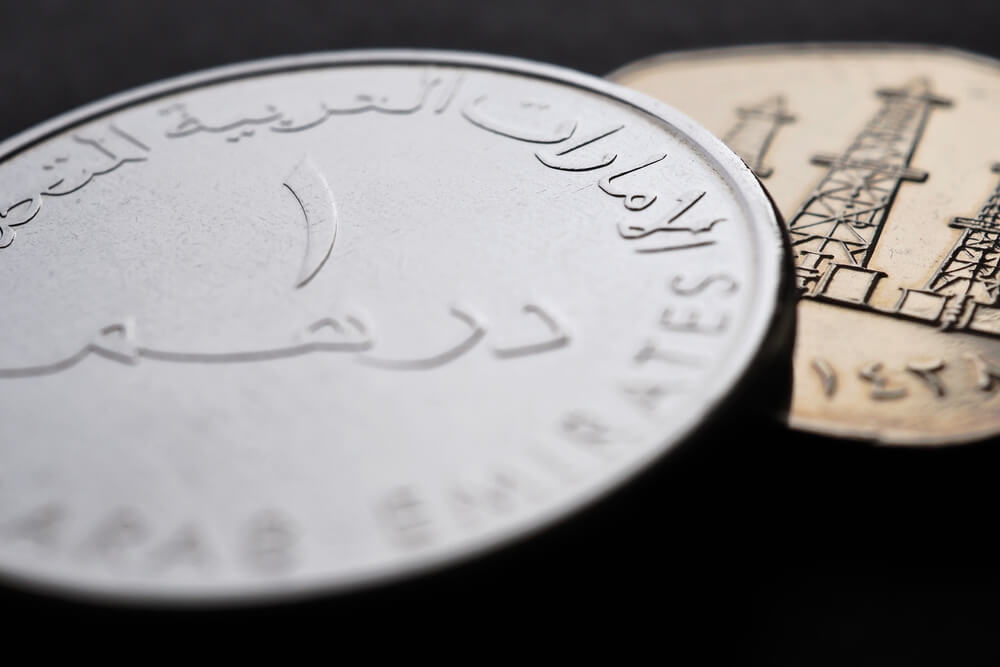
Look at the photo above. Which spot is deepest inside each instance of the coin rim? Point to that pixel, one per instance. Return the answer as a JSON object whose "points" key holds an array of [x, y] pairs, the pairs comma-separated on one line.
{"points": [[748, 355], [890, 437]]}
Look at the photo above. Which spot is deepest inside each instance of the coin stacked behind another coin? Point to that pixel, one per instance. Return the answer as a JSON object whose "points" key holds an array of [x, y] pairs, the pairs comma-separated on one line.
{"points": [[883, 161]]}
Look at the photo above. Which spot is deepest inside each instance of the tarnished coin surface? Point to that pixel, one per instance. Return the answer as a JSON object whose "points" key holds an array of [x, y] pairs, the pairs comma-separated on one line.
{"points": [[315, 322], [883, 161]]}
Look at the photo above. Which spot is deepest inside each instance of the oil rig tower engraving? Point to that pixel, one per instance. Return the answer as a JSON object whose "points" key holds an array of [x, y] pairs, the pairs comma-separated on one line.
{"points": [[835, 230], [752, 135], [964, 291]]}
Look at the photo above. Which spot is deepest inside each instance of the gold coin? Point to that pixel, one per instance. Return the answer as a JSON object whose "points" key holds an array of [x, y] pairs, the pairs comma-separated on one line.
{"points": [[884, 163]]}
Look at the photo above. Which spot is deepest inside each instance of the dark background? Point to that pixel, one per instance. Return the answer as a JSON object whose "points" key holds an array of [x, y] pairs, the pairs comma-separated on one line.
{"points": [[756, 544]]}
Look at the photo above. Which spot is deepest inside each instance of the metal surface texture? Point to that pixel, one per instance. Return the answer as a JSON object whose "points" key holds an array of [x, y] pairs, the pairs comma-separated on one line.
{"points": [[310, 323], [883, 160]]}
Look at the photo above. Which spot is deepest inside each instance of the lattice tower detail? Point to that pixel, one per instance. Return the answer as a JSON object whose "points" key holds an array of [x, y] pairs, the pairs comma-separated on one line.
{"points": [[756, 126], [970, 270], [842, 218]]}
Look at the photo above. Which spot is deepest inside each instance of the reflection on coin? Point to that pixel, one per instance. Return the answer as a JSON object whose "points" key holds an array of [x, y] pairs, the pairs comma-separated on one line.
{"points": [[315, 322], [883, 162]]}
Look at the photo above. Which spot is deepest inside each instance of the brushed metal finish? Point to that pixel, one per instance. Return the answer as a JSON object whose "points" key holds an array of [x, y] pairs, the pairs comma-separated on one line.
{"points": [[314, 322]]}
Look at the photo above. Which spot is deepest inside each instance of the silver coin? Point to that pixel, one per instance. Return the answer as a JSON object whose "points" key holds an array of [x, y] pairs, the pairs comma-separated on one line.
{"points": [[315, 322]]}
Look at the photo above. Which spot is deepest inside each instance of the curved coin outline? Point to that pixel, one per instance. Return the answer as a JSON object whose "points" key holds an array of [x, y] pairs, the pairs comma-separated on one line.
{"points": [[872, 434], [764, 332]]}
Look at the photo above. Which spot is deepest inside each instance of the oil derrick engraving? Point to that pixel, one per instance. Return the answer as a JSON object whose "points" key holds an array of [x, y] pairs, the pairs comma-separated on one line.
{"points": [[963, 292], [835, 230], [752, 135]]}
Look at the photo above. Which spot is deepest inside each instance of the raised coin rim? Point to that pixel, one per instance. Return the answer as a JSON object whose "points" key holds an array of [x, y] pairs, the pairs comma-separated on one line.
{"points": [[767, 325], [873, 435]]}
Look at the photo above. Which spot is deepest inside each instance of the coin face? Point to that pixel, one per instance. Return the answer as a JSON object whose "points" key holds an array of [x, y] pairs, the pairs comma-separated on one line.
{"points": [[316, 322], [883, 163]]}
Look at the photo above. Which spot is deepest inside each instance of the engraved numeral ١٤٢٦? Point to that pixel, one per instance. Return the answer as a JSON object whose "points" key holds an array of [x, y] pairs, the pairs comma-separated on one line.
{"points": [[890, 385]]}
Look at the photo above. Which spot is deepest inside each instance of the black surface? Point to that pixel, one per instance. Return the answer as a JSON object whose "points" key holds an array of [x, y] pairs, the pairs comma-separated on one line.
{"points": [[767, 546]]}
